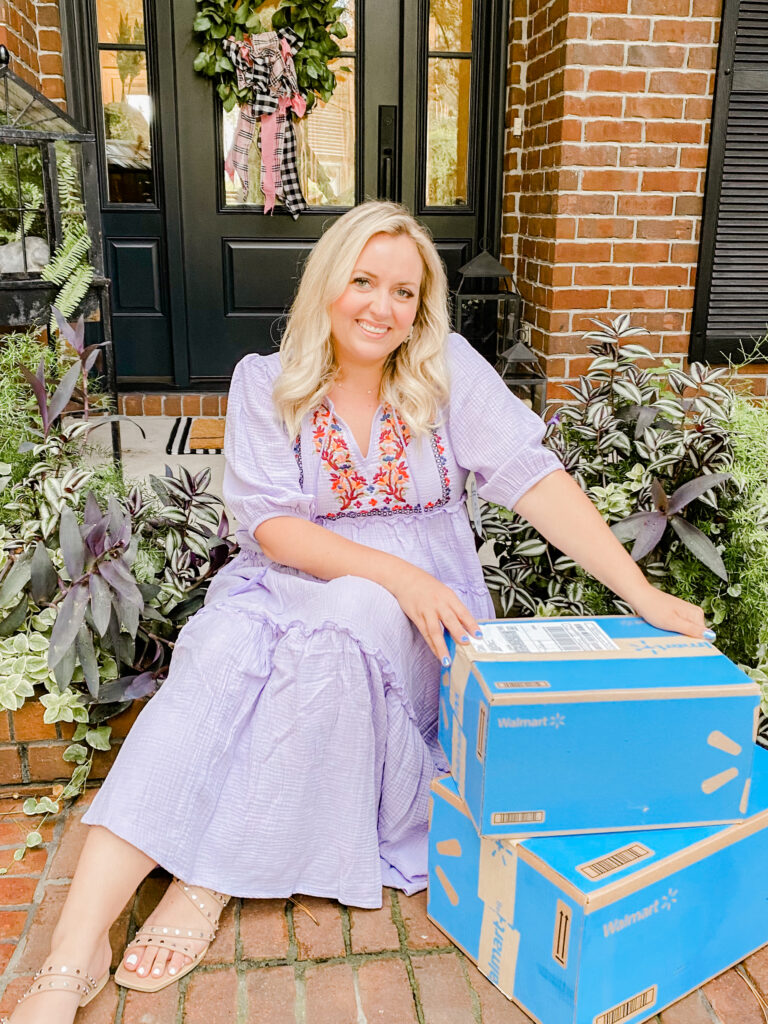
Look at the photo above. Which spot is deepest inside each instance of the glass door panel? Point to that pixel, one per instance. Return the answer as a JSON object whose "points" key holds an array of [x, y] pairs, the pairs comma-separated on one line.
{"points": [[325, 139], [448, 131], [127, 109], [126, 101], [449, 93], [120, 21], [450, 25]]}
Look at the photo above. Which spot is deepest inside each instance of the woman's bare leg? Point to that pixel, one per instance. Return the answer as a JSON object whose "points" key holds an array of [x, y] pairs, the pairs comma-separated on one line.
{"points": [[108, 873]]}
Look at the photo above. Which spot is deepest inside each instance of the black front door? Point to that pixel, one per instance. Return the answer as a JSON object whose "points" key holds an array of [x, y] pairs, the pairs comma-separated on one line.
{"points": [[201, 275]]}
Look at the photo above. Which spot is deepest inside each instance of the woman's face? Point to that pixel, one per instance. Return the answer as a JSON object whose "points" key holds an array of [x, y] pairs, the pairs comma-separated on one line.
{"points": [[374, 313]]}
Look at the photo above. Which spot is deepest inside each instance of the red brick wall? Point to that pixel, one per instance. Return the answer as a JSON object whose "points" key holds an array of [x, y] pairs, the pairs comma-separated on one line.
{"points": [[30, 29], [604, 185]]}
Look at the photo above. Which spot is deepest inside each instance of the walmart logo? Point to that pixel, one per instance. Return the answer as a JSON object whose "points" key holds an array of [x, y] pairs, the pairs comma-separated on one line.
{"points": [[669, 897], [556, 721], [618, 924], [720, 741]]}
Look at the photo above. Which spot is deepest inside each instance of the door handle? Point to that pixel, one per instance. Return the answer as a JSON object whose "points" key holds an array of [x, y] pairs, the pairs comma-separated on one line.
{"points": [[387, 188]]}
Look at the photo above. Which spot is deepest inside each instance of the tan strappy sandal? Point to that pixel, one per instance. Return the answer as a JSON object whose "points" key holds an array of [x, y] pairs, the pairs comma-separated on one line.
{"points": [[210, 904], [59, 977]]}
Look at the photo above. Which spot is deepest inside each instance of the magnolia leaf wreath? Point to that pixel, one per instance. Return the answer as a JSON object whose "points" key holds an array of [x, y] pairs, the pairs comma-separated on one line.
{"points": [[271, 73]]}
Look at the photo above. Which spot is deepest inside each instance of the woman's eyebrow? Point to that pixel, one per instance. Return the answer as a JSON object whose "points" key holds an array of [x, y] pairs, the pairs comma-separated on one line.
{"points": [[368, 273]]}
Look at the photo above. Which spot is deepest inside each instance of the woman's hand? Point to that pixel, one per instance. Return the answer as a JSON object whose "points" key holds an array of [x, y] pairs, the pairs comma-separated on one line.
{"points": [[430, 606], [668, 612]]}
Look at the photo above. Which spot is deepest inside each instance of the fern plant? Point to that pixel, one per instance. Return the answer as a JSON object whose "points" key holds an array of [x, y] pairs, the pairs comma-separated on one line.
{"points": [[69, 266]]}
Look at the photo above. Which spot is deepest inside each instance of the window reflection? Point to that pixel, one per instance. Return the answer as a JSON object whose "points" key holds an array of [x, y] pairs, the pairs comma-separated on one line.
{"points": [[120, 21], [448, 131], [450, 25], [348, 21], [326, 146], [127, 118]]}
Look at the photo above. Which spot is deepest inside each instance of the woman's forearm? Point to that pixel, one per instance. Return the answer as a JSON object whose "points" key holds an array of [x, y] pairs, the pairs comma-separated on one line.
{"points": [[560, 510], [322, 553]]}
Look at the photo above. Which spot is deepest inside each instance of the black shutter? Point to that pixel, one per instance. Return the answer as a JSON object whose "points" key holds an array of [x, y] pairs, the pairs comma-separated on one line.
{"points": [[731, 304]]}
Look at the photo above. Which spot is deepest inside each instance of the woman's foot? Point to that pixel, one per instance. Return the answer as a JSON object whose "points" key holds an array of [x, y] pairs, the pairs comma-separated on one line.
{"points": [[175, 916], [59, 1005]]}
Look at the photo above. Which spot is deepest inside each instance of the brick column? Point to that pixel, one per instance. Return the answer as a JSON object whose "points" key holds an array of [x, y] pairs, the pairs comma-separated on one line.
{"points": [[31, 31], [604, 185]]}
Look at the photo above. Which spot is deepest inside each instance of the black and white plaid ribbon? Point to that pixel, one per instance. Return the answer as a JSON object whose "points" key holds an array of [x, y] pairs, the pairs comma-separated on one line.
{"points": [[264, 64]]}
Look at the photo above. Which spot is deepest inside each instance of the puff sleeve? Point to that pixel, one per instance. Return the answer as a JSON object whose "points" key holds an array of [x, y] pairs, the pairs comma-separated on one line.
{"points": [[261, 475], [492, 432]]}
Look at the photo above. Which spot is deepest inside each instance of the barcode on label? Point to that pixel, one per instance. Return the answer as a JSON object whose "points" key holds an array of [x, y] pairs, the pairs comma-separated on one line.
{"points": [[628, 1009], [614, 861], [522, 684], [516, 817], [542, 638]]}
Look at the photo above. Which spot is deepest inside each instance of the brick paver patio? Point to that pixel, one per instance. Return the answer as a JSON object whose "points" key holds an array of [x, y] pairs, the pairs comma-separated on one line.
{"points": [[272, 964]]}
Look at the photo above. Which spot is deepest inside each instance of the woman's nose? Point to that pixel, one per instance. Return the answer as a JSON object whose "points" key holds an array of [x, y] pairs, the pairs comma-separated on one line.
{"points": [[381, 304]]}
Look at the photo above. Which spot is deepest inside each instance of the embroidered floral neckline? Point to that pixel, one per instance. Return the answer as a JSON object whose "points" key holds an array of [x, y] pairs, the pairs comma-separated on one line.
{"points": [[385, 491]]}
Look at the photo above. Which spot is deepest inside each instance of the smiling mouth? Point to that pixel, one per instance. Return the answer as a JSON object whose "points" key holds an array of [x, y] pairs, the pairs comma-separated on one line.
{"points": [[372, 329]]}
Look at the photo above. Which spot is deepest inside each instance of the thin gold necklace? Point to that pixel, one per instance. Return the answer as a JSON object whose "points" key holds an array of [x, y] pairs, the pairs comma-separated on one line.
{"points": [[369, 391]]}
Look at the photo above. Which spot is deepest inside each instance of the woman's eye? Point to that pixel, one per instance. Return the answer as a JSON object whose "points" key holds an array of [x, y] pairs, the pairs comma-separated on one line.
{"points": [[404, 293], [360, 281]]}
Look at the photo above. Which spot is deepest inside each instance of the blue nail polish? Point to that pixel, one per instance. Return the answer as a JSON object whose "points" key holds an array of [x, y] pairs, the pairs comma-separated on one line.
{"points": [[446, 661], [709, 634], [465, 639], [479, 634]]}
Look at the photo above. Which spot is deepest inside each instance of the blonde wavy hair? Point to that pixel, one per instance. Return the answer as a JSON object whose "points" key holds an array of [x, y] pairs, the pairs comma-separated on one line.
{"points": [[415, 379]]}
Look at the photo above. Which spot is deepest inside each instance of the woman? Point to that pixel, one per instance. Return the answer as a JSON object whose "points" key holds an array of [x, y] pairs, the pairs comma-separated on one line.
{"points": [[292, 746]]}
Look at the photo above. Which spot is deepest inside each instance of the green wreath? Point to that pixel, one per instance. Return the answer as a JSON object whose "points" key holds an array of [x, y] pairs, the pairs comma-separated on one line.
{"points": [[315, 22]]}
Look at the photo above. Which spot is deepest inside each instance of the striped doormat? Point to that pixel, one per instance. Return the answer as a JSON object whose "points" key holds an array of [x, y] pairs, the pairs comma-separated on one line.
{"points": [[196, 435]]}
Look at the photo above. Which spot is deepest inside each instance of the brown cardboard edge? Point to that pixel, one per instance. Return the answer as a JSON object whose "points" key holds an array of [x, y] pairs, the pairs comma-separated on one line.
{"points": [[597, 899], [552, 876], [622, 654], [614, 891], [489, 693], [437, 786], [472, 960], [478, 656], [618, 829], [740, 690]]}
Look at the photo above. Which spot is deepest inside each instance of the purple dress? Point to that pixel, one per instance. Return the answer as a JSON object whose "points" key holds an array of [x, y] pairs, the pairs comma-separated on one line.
{"points": [[292, 746]]}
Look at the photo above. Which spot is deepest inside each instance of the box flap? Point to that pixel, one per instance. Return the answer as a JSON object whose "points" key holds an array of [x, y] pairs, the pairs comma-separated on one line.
{"points": [[608, 866], [541, 660]]}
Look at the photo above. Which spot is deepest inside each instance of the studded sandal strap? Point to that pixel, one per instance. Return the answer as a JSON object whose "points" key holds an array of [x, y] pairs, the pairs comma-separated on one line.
{"points": [[60, 978], [175, 939], [209, 902]]}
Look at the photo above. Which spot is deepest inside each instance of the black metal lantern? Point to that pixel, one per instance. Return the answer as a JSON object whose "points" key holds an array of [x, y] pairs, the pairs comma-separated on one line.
{"points": [[488, 314], [49, 197], [487, 310], [522, 373]]}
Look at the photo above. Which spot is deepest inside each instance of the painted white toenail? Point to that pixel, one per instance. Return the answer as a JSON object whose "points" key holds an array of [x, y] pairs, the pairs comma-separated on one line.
{"points": [[142, 970], [171, 970], [157, 971], [132, 959]]}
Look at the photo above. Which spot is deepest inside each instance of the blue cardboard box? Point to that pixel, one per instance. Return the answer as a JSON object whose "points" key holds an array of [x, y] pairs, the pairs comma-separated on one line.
{"points": [[604, 928], [560, 726]]}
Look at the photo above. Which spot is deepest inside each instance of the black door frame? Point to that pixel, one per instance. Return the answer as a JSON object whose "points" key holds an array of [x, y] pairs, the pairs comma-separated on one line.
{"points": [[489, 92], [83, 97]]}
